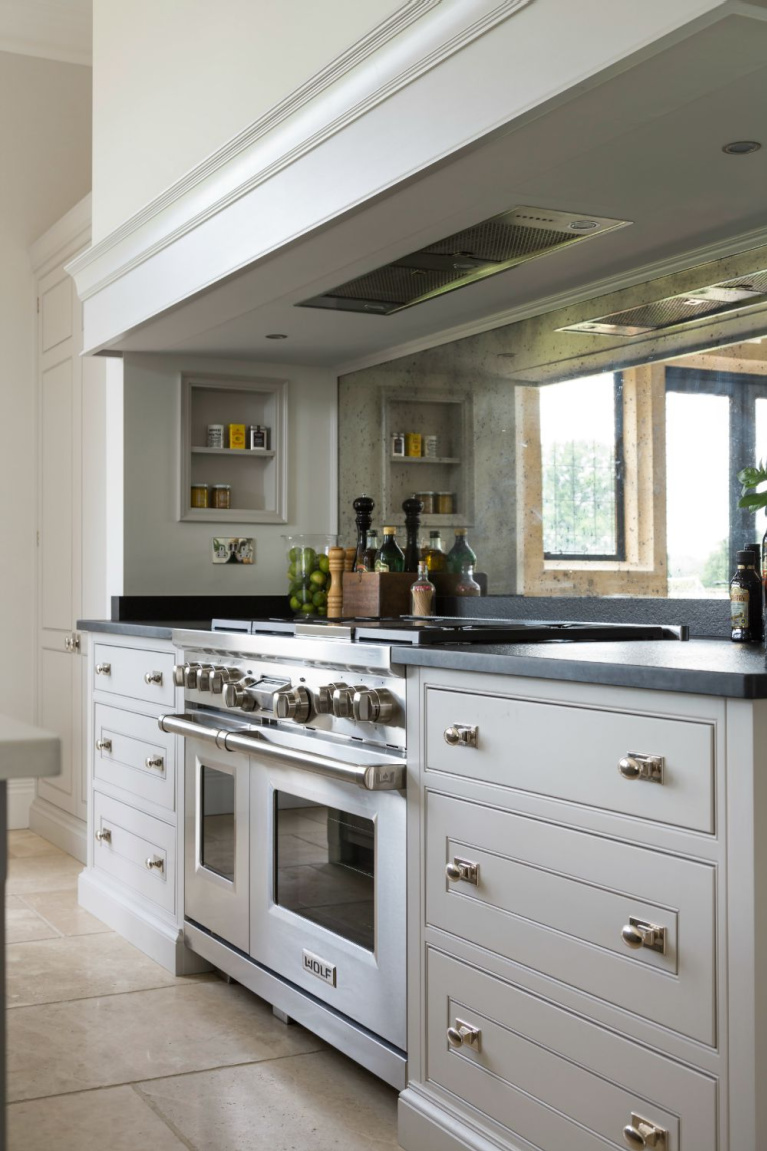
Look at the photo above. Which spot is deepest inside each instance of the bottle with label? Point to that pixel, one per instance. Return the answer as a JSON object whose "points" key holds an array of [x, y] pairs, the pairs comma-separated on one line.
{"points": [[390, 556], [436, 560], [422, 593], [460, 553], [371, 549], [467, 585], [746, 601]]}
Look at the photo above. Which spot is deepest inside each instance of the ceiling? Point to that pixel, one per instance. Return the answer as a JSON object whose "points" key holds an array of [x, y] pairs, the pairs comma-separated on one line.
{"points": [[644, 145], [53, 29]]}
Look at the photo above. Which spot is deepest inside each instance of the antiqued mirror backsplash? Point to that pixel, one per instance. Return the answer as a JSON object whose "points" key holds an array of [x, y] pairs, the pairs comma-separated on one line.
{"points": [[581, 463]]}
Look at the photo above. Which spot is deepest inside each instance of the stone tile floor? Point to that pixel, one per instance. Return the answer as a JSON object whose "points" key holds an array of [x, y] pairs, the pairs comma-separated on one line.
{"points": [[108, 1052]]}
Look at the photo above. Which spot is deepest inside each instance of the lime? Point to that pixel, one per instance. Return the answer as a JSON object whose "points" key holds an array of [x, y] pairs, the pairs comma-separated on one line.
{"points": [[307, 609], [295, 603], [309, 559], [319, 578], [305, 595], [320, 598], [294, 554], [323, 563], [322, 611]]}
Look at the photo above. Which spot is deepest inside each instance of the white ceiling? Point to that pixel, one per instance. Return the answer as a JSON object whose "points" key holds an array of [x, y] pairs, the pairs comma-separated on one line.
{"points": [[53, 29], [643, 146]]}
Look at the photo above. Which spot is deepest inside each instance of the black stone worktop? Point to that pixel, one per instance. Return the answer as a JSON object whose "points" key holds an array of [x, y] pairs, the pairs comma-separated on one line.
{"points": [[701, 666], [151, 629]]}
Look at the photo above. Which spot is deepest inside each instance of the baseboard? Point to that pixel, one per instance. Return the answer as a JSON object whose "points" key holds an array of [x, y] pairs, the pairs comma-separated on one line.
{"points": [[160, 940], [21, 795], [424, 1125], [59, 827]]}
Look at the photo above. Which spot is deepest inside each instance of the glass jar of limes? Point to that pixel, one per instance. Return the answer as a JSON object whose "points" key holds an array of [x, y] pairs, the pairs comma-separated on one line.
{"points": [[309, 573]]}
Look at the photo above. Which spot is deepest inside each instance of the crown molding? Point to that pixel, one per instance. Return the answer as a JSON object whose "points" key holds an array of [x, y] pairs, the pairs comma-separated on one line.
{"points": [[330, 101], [68, 235]]}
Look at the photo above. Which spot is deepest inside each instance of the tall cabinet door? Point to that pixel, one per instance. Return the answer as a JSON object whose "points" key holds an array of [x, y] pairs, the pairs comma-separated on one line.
{"points": [[60, 665]]}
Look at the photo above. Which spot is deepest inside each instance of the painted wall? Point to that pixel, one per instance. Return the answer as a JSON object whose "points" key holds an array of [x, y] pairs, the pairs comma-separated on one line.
{"points": [[174, 81], [45, 139], [165, 557]]}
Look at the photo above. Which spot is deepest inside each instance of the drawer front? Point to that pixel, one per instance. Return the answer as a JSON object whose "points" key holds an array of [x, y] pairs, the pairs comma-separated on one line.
{"points": [[129, 840], [134, 672], [132, 753], [552, 1078], [573, 753], [558, 901]]}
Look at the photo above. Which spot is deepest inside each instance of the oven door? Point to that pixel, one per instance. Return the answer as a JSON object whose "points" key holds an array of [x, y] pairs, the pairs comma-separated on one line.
{"points": [[328, 891], [216, 841]]}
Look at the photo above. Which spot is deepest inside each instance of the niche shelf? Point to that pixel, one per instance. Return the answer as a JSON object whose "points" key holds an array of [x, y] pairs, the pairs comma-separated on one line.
{"points": [[258, 477]]}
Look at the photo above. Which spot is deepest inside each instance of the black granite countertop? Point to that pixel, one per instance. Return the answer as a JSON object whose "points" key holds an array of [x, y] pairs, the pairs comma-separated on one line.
{"points": [[701, 666], [152, 629]]}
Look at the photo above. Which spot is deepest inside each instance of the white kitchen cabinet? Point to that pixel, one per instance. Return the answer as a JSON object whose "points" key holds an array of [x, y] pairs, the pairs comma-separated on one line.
{"points": [[535, 1019], [71, 526], [134, 875]]}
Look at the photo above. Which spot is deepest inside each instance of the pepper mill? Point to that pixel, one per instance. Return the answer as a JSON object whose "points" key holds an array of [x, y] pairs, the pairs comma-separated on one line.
{"points": [[350, 555], [412, 507], [336, 590], [363, 507]]}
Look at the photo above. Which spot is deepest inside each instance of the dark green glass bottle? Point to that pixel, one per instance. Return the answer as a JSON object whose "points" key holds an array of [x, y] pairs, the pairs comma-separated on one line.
{"points": [[390, 556], [460, 553]]}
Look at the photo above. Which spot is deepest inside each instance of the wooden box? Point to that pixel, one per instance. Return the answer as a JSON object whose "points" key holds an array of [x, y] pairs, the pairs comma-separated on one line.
{"points": [[387, 594]]}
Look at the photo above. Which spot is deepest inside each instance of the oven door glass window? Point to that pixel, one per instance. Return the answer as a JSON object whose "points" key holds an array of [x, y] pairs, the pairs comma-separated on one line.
{"points": [[217, 823], [325, 867]]}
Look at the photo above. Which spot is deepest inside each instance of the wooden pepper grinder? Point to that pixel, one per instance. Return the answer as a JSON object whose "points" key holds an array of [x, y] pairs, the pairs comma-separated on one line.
{"points": [[363, 507], [336, 590], [412, 507]]}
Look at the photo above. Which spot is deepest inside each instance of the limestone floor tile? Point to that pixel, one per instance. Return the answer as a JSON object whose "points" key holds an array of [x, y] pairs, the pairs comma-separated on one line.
{"points": [[22, 924], [23, 843], [322, 1101], [78, 967], [46, 872], [115, 1118], [193, 1026], [63, 912]]}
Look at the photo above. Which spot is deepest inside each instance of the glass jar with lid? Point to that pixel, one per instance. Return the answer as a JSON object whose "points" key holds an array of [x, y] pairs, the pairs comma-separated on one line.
{"points": [[199, 497], [221, 495]]}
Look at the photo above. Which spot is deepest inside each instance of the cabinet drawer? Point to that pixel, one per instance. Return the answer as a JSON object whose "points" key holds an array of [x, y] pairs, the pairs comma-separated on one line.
{"points": [[134, 672], [557, 901], [130, 839], [552, 1078], [132, 753], [572, 753]]}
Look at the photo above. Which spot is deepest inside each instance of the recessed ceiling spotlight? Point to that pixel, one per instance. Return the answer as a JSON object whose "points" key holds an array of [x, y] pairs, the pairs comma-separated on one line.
{"points": [[741, 147], [582, 225], [276, 336]]}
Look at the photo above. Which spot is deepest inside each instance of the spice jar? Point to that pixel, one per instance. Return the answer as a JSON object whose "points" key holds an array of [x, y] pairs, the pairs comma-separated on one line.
{"points": [[430, 446], [445, 503], [199, 497], [222, 495], [429, 501], [215, 435], [398, 443], [413, 444]]}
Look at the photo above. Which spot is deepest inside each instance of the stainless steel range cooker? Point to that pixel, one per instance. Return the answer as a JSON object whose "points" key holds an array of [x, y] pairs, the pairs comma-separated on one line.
{"points": [[295, 776]]}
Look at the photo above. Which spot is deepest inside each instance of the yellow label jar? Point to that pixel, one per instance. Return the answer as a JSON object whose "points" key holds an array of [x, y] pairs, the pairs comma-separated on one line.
{"points": [[413, 444], [199, 496]]}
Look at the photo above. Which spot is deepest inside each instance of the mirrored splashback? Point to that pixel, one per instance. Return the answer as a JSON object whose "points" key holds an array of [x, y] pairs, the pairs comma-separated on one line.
{"points": [[581, 462]]}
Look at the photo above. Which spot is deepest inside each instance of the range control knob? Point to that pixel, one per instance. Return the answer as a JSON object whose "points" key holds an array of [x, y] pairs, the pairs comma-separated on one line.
{"points": [[179, 674], [374, 705], [191, 671], [237, 695], [204, 677], [323, 700], [295, 703], [343, 697]]}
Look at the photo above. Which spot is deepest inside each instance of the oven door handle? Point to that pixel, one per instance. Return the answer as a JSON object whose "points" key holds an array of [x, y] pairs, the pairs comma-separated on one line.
{"points": [[372, 777]]}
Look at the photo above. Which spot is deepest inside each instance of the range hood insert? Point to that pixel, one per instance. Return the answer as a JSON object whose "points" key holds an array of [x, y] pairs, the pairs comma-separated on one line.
{"points": [[680, 311], [483, 250]]}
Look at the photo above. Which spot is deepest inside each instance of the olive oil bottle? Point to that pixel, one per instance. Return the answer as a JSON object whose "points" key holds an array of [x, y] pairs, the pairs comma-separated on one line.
{"points": [[746, 601], [390, 556]]}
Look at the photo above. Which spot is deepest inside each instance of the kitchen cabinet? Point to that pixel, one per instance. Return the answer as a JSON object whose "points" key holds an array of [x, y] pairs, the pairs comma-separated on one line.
{"points": [[71, 534], [584, 938]]}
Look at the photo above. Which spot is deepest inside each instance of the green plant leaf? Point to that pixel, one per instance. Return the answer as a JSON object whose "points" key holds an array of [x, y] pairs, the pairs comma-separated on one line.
{"points": [[753, 501], [750, 477]]}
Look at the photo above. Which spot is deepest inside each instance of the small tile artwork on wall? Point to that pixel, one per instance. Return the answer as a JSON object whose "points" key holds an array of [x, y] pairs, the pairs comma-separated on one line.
{"points": [[233, 550]]}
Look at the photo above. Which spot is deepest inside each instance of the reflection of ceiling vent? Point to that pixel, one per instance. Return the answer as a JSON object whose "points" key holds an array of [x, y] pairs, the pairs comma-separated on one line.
{"points": [[675, 312], [483, 250]]}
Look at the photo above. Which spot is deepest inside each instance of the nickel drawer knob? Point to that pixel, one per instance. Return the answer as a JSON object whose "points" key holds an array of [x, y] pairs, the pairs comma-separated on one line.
{"points": [[643, 1133], [464, 869], [638, 933], [153, 677], [103, 669], [155, 761], [103, 745], [155, 863], [464, 1035], [461, 735], [104, 836], [636, 765]]}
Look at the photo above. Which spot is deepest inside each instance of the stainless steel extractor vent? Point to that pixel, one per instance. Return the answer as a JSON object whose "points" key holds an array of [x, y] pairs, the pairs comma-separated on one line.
{"points": [[673, 312], [472, 254]]}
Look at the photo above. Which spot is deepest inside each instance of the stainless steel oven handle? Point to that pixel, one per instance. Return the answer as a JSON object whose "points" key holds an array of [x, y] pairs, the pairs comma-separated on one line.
{"points": [[372, 777]]}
